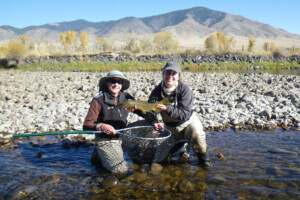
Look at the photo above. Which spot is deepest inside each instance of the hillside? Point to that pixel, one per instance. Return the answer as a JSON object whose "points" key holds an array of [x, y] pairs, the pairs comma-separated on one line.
{"points": [[189, 27]]}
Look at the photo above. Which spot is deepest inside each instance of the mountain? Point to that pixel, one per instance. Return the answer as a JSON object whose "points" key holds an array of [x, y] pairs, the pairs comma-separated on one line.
{"points": [[186, 25]]}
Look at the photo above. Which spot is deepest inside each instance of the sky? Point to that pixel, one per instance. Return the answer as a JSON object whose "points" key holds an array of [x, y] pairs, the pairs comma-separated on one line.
{"points": [[282, 14]]}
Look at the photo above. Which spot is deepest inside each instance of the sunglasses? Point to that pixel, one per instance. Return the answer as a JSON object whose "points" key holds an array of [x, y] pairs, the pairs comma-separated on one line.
{"points": [[113, 81]]}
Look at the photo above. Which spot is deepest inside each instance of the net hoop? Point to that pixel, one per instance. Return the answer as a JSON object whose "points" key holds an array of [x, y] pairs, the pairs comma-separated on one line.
{"points": [[144, 138]]}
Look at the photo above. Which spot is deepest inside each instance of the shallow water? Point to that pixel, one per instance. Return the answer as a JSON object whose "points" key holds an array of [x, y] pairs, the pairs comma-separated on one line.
{"points": [[256, 165]]}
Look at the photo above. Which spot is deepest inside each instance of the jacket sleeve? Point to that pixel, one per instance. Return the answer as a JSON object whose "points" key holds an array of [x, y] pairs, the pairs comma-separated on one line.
{"points": [[91, 118], [184, 107]]}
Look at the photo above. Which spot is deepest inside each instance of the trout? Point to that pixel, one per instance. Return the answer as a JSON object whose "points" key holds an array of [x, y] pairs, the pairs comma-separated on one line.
{"points": [[144, 105]]}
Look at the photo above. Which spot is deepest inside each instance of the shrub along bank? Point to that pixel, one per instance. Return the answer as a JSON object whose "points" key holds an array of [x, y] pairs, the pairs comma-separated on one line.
{"points": [[124, 62]]}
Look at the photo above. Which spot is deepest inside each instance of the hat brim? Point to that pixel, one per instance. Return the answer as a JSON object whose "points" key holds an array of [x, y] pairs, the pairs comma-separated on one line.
{"points": [[102, 82]]}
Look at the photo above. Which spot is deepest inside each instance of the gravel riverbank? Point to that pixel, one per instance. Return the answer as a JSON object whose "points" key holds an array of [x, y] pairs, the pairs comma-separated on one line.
{"points": [[59, 101]]}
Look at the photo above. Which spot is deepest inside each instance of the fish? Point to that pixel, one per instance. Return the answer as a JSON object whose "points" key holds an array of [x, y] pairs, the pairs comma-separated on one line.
{"points": [[144, 106]]}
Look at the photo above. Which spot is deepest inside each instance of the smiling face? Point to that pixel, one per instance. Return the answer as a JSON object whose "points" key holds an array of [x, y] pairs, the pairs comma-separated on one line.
{"points": [[114, 86], [171, 78]]}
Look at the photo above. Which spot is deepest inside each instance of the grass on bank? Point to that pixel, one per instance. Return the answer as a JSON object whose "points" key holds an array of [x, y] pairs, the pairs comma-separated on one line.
{"points": [[150, 66]]}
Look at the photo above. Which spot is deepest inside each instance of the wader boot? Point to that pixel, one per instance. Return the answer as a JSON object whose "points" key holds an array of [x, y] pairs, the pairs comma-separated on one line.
{"points": [[180, 149], [204, 161]]}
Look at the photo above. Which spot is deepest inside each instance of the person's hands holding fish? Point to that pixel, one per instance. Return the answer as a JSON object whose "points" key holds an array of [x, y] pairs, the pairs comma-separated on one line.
{"points": [[108, 129], [161, 107], [131, 109]]}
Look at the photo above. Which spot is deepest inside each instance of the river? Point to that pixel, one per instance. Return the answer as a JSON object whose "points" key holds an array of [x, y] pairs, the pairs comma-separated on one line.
{"points": [[246, 165]]}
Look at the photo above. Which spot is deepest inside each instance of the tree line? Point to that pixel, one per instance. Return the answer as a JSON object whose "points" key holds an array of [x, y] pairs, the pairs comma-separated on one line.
{"points": [[159, 43]]}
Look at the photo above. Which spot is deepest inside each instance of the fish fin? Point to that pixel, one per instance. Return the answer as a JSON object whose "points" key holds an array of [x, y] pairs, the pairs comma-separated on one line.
{"points": [[143, 111], [165, 101]]}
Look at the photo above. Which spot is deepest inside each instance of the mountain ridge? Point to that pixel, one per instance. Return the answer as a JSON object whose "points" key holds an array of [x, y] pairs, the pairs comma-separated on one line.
{"points": [[197, 22]]}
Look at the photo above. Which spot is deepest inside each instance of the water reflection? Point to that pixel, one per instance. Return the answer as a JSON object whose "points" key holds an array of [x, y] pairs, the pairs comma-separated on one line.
{"points": [[255, 165]]}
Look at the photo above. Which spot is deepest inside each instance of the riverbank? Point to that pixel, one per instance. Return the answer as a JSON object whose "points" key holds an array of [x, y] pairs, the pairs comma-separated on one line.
{"points": [[125, 62], [59, 101]]}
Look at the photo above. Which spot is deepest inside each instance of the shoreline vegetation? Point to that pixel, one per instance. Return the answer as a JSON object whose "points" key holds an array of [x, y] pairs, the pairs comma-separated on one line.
{"points": [[152, 66], [123, 62]]}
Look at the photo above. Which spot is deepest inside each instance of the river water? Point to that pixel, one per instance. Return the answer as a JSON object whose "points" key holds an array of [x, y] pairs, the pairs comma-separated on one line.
{"points": [[246, 165]]}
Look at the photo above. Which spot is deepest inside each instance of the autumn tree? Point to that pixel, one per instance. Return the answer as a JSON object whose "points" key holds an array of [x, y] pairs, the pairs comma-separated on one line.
{"points": [[84, 41], [229, 43], [132, 44], [220, 40], [251, 43], [273, 46], [146, 46], [14, 50], [27, 42], [211, 43], [266, 46], [104, 44], [67, 39], [164, 43]]}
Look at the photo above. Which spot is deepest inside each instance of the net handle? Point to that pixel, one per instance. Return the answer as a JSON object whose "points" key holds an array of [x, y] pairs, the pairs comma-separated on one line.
{"points": [[91, 132]]}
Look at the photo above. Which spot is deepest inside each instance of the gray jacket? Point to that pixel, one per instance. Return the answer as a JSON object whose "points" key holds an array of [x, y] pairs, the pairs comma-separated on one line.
{"points": [[181, 106]]}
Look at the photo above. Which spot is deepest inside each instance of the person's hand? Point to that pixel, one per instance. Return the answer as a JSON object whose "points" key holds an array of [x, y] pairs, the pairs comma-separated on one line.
{"points": [[161, 107], [132, 109], [158, 126], [108, 129]]}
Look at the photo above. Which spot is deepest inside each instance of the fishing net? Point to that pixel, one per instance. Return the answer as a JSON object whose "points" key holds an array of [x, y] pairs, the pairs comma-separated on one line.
{"points": [[145, 145]]}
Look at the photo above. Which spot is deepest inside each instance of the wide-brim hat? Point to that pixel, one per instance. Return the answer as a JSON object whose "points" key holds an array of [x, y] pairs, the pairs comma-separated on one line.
{"points": [[114, 74]]}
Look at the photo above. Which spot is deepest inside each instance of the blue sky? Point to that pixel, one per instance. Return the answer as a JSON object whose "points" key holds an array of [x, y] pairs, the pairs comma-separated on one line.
{"points": [[22, 13]]}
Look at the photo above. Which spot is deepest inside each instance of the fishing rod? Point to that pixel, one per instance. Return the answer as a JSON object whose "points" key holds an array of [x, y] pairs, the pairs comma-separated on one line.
{"points": [[89, 132]]}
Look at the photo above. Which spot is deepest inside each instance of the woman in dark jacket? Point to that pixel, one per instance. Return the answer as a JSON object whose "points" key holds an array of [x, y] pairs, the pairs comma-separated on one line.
{"points": [[179, 117], [105, 115]]}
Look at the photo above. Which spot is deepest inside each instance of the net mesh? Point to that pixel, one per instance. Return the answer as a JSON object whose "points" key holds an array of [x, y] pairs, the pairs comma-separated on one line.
{"points": [[145, 145]]}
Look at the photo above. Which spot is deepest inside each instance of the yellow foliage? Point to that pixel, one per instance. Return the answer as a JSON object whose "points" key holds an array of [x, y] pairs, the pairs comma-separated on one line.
{"points": [[273, 47], [211, 43], [220, 37], [14, 50], [266, 46], [225, 43], [104, 44], [251, 43], [84, 40], [164, 43], [67, 39]]}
